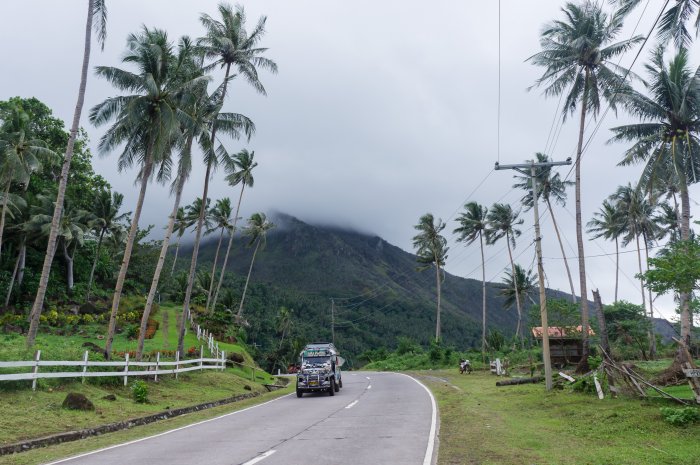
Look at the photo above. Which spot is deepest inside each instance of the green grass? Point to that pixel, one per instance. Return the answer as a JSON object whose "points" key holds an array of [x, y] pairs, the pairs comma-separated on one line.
{"points": [[483, 424]]}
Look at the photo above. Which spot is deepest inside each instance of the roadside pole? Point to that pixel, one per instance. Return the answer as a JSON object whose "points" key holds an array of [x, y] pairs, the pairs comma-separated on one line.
{"points": [[333, 321], [521, 168]]}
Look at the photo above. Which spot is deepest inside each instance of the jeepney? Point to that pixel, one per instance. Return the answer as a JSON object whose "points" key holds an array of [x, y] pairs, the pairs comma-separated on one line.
{"points": [[319, 369]]}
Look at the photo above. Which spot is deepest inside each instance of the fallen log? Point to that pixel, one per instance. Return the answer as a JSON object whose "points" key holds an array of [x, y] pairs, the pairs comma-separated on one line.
{"points": [[514, 381]]}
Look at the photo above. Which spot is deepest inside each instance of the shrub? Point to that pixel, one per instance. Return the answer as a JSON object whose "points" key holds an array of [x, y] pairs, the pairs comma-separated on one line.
{"points": [[680, 416], [139, 391]]}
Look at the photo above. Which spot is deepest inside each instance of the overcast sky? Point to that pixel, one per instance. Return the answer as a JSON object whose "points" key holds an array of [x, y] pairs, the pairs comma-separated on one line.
{"points": [[381, 112]]}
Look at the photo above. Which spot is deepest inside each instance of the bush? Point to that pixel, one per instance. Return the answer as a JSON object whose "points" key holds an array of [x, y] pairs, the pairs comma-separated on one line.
{"points": [[680, 416], [139, 391]]}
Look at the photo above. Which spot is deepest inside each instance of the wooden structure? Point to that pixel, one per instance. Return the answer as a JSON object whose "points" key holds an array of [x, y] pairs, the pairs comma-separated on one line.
{"points": [[565, 343]]}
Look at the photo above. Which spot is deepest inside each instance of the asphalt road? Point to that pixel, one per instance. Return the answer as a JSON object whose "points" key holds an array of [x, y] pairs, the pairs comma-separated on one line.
{"points": [[376, 418]]}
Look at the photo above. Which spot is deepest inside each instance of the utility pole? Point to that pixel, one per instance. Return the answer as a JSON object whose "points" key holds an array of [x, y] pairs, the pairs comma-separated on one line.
{"points": [[333, 321], [532, 173]]}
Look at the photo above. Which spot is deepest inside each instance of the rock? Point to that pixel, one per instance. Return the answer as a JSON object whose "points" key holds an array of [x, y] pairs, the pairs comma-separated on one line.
{"points": [[89, 308], [111, 397], [247, 388], [237, 358], [93, 347], [76, 401]]}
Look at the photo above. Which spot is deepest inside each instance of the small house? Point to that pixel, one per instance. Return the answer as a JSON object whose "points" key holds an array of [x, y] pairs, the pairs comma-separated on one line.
{"points": [[565, 343]]}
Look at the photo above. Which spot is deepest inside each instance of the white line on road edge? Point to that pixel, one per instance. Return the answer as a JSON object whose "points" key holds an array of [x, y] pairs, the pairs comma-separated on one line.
{"points": [[433, 423], [260, 457], [164, 433], [352, 404]]}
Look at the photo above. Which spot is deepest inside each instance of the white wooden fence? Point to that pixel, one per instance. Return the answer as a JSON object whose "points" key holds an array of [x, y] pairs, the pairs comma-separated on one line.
{"points": [[147, 368]]}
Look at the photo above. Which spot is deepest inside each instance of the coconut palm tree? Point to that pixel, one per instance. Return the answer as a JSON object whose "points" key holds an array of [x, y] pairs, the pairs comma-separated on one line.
{"points": [[106, 218], [74, 226], [18, 227], [637, 218], [667, 138], [672, 25], [607, 223], [577, 55], [20, 156], [239, 170], [523, 281], [501, 223], [431, 251], [97, 19], [257, 229], [180, 228], [472, 226], [221, 215], [147, 123], [228, 44], [550, 186]]}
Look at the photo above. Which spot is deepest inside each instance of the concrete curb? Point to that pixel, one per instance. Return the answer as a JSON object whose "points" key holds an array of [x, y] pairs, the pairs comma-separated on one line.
{"points": [[69, 436]]}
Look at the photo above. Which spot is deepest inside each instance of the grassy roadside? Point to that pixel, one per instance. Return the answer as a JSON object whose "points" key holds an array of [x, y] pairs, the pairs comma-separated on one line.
{"points": [[483, 424], [59, 451]]}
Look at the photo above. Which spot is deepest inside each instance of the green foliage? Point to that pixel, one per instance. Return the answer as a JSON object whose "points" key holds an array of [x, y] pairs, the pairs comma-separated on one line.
{"points": [[676, 268], [406, 345], [560, 312], [683, 416], [627, 329]]}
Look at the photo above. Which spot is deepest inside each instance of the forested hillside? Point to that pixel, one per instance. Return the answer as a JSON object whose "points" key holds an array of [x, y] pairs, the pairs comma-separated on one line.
{"points": [[379, 296]]}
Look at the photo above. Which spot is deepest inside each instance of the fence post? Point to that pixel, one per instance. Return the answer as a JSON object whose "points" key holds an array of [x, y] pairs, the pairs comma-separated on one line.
{"points": [[223, 360], [252, 376], [126, 368], [85, 365], [157, 365], [177, 364], [199, 332], [37, 357], [217, 350], [201, 356]]}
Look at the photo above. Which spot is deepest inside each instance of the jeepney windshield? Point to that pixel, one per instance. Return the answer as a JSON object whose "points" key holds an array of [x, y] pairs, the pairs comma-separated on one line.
{"points": [[316, 360]]}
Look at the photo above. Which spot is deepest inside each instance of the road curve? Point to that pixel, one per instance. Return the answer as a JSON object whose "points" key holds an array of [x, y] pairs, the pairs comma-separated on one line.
{"points": [[377, 418]]}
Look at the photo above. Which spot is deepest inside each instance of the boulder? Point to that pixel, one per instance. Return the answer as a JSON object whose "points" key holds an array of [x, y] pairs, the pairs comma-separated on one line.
{"points": [[110, 397], [89, 308], [77, 401], [235, 357]]}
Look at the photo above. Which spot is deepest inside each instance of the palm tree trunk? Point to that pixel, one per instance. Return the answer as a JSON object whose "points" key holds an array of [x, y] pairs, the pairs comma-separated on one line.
{"points": [[563, 253], [69, 265], [583, 364], [213, 270], [4, 210], [63, 182], [228, 248], [437, 283], [515, 283], [685, 235], [652, 336], [247, 280], [483, 299], [617, 266], [22, 262], [145, 176], [15, 272], [94, 264], [159, 265], [177, 251], [198, 234]]}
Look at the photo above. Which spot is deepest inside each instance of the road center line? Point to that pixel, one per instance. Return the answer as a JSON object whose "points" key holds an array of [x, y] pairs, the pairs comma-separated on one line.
{"points": [[367, 377], [369, 387], [260, 457], [352, 404]]}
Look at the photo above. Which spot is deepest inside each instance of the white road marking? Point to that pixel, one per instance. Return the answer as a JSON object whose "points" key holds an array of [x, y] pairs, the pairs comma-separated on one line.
{"points": [[352, 404], [163, 433], [368, 377], [369, 387], [260, 457], [428, 459]]}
